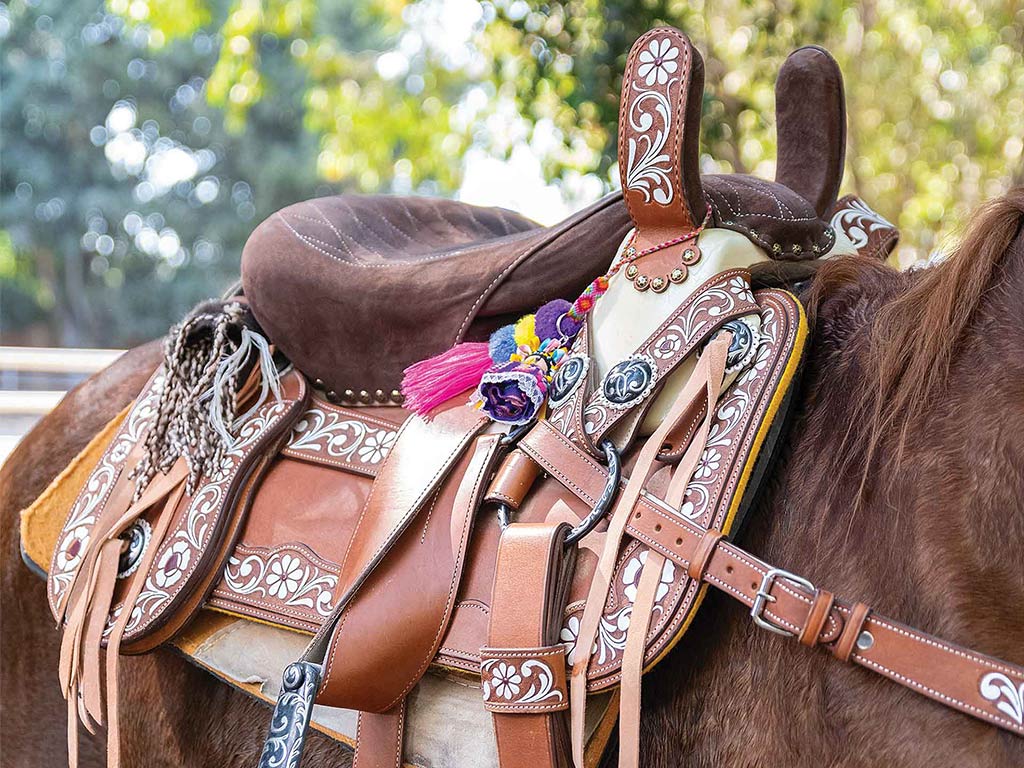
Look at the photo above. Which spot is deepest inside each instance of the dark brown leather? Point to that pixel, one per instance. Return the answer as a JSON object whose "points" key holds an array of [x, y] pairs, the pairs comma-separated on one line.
{"points": [[810, 114]]}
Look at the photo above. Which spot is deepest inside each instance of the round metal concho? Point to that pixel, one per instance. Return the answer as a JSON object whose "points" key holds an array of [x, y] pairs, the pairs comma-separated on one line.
{"points": [[567, 379], [629, 381], [137, 536], [742, 347]]}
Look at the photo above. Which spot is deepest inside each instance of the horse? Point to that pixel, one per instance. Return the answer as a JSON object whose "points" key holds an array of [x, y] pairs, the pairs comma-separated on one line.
{"points": [[900, 479]]}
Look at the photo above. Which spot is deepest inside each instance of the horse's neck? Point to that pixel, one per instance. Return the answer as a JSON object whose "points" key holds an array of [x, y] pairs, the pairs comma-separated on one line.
{"points": [[624, 318]]}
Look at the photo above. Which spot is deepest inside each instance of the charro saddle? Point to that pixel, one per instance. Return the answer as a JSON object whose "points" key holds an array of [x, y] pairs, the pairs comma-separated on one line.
{"points": [[433, 436]]}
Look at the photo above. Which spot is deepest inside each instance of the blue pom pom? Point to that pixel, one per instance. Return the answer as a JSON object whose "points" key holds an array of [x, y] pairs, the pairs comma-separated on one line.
{"points": [[502, 344], [547, 320]]}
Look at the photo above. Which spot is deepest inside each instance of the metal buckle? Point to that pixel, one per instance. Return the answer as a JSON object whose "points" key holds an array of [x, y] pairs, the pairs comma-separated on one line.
{"points": [[764, 596], [604, 503]]}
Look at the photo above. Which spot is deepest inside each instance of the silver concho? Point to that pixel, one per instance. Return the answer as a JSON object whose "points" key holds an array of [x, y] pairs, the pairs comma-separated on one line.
{"points": [[629, 381], [567, 379], [745, 338], [137, 536]]}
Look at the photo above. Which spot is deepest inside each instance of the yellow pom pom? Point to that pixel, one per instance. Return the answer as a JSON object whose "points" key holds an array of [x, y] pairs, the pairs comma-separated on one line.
{"points": [[525, 334]]}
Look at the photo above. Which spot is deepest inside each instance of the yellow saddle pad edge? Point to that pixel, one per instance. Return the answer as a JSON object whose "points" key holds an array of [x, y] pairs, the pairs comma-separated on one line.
{"points": [[43, 520]]}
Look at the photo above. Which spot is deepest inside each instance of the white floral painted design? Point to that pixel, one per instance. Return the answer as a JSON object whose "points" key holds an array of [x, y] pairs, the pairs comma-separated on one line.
{"points": [[283, 576], [631, 578], [172, 564], [377, 446], [506, 679], [667, 346], [658, 61], [568, 636], [1007, 695], [858, 222], [709, 463]]}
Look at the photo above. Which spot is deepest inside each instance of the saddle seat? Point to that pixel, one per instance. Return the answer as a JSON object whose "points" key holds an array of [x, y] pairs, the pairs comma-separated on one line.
{"points": [[354, 289]]}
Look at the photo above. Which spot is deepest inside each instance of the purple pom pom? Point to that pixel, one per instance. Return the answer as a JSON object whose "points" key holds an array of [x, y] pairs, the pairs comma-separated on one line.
{"points": [[502, 344], [547, 325]]}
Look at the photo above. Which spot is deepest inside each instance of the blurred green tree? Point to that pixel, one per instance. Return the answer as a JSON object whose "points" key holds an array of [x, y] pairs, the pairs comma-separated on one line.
{"points": [[389, 95]]}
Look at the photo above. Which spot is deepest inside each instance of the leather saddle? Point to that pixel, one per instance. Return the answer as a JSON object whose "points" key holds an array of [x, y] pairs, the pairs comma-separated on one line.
{"points": [[543, 565]]}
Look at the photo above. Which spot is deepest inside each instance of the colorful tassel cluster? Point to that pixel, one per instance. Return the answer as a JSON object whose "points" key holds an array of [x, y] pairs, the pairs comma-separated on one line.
{"points": [[512, 371]]}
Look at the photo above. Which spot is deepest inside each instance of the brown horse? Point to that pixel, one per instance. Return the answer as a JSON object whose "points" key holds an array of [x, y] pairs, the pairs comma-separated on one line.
{"points": [[901, 484]]}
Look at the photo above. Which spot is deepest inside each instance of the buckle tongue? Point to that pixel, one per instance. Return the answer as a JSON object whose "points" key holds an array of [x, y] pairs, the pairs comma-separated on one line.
{"points": [[764, 596]]}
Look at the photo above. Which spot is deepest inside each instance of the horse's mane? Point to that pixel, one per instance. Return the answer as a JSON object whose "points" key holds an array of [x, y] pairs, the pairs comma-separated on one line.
{"points": [[915, 335]]}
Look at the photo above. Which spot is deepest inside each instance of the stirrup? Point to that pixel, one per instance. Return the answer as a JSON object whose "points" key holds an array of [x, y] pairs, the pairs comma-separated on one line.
{"points": [[292, 714]]}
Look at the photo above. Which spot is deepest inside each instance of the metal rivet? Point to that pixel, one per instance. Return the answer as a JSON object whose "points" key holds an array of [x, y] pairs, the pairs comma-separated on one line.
{"points": [[777, 248], [397, 396], [689, 256], [380, 396], [816, 249], [677, 275], [865, 640], [797, 248], [332, 396], [350, 395], [364, 396], [319, 384], [642, 282], [631, 271], [659, 284]]}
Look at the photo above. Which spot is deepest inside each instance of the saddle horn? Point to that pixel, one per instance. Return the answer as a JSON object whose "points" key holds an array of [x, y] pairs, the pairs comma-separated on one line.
{"points": [[659, 132], [810, 107]]}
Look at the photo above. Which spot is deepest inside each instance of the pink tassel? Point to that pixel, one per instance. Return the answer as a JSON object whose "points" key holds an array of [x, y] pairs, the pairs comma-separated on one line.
{"points": [[429, 383]]}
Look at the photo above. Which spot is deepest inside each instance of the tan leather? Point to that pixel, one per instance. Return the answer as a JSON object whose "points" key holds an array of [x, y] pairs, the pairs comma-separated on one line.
{"points": [[705, 548], [513, 480], [957, 677], [379, 738], [821, 609], [843, 647], [523, 674], [369, 665], [418, 464]]}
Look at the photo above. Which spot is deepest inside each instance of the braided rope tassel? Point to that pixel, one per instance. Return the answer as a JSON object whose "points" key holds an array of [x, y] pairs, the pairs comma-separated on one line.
{"points": [[199, 396]]}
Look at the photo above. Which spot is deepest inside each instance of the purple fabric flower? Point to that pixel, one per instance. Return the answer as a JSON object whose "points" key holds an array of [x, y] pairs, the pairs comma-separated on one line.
{"points": [[511, 396]]}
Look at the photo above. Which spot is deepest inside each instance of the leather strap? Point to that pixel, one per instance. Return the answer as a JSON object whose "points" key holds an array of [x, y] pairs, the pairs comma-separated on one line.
{"points": [[970, 682], [370, 667], [379, 738], [523, 667], [423, 454]]}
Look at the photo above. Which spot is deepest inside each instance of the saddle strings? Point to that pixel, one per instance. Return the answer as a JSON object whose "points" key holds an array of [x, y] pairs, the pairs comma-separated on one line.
{"points": [[705, 382]]}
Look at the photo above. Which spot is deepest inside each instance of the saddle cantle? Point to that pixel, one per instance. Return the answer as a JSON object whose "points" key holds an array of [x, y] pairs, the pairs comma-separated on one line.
{"points": [[545, 566]]}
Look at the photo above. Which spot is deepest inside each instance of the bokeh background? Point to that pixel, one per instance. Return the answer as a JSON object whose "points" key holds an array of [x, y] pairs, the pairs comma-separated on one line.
{"points": [[142, 140]]}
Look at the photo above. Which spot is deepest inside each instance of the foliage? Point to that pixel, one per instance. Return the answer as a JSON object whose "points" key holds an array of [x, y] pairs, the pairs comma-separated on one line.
{"points": [[287, 96]]}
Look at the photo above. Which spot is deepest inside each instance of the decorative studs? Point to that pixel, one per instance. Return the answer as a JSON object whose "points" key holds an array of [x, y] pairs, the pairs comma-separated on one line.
{"points": [[319, 384], [865, 640], [776, 248], [380, 396], [677, 275], [816, 248], [630, 252], [691, 256], [332, 396], [364, 397], [350, 396], [397, 397], [797, 248], [631, 271], [642, 282], [658, 284]]}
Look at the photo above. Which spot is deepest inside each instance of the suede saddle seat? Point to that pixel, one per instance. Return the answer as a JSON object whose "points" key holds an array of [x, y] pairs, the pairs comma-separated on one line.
{"points": [[353, 289]]}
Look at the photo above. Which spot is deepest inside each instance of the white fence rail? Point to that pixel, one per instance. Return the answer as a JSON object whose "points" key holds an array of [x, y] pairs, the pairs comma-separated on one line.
{"points": [[34, 379]]}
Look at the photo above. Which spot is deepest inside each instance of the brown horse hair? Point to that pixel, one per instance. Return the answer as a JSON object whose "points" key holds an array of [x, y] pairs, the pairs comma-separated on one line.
{"points": [[908, 366]]}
